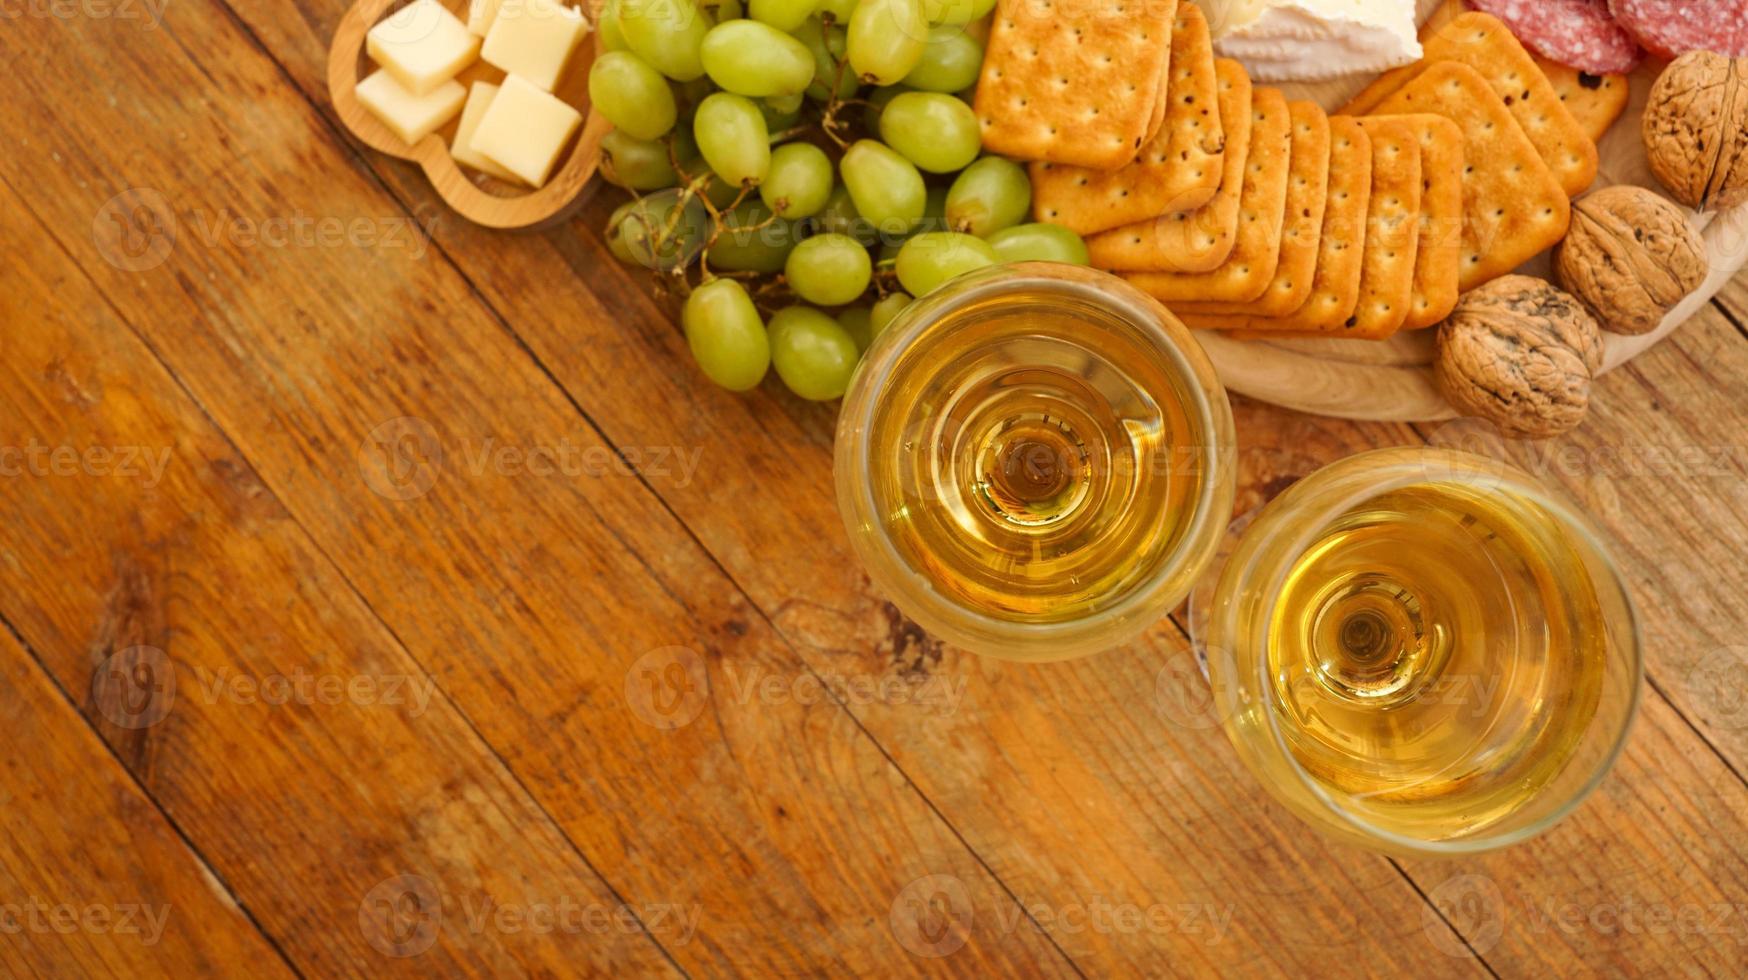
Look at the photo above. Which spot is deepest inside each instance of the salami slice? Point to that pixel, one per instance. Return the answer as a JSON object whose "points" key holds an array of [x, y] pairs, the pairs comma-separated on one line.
{"points": [[1671, 28], [1576, 33]]}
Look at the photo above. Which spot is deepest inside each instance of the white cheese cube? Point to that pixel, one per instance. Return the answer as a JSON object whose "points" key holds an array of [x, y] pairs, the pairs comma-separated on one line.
{"points": [[535, 39], [481, 14], [412, 117], [422, 45], [479, 99], [525, 129]]}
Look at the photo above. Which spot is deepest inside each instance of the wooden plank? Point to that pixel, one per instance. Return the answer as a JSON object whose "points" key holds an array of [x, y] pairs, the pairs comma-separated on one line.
{"points": [[541, 601], [241, 679], [93, 880]]}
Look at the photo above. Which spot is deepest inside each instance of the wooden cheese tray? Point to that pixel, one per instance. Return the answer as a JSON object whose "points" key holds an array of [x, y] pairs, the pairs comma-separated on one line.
{"points": [[1391, 381]]}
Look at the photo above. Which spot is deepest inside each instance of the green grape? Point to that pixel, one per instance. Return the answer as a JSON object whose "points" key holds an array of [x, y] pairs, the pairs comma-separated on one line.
{"points": [[756, 60], [634, 97], [612, 37], [727, 10], [840, 217], [743, 246], [668, 34], [886, 188], [785, 105], [830, 270], [951, 62], [800, 181], [855, 321], [840, 10], [877, 102], [778, 120], [886, 39], [661, 233], [726, 335], [641, 165], [784, 15], [885, 310], [956, 12], [932, 258], [1039, 242], [720, 193], [813, 355], [991, 194], [936, 132], [617, 241], [732, 136], [827, 45]]}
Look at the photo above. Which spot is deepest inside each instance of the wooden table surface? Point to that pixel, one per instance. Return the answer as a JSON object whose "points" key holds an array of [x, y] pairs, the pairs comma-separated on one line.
{"points": [[383, 595]]}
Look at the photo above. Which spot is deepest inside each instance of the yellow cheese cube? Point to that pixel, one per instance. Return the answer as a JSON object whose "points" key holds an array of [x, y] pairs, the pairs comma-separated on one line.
{"points": [[422, 45], [412, 117], [479, 98], [525, 129], [535, 39], [481, 14]]}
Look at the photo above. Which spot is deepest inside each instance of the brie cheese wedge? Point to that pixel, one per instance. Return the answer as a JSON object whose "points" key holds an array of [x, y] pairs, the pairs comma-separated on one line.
{"points": [[1316, 40]]}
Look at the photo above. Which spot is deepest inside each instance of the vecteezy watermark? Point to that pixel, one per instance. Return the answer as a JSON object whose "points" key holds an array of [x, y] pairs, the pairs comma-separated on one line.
{"points": [[1718, 685], [933, 917], [146, 13], [138, 229], [143, 463], [1464, 916], [667, 687], [934, 693], [403, 459], [403, 916], [136, 688], [39, 918]]}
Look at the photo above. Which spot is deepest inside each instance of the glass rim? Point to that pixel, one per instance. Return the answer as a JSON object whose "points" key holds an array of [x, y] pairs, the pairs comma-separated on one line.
{"points": [[1515, 480], [1212, 415]]}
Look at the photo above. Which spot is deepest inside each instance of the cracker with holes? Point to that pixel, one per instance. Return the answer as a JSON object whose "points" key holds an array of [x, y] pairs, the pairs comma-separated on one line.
{"points": [[1335, 290], [1262, 204], [1483, 43], [1392, 229], [1178, 170], [1074, 81], [1199, 239], [1596, 101], [1439, 255], [1513, 206], [1307, 198]]}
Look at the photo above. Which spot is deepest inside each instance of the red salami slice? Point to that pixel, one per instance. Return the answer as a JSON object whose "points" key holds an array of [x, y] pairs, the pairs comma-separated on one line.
{"points": [[1671, 28], [1576, 33]]}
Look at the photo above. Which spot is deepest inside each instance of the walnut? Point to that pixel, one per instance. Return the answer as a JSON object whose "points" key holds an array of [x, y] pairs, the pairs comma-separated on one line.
{"points": [[1630, 257], [1696, 130], [1520, 353]]}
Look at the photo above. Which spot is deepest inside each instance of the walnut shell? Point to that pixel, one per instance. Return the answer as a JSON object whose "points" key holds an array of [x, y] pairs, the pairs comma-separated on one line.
{"points": [[1696, 130], [1520, 353], [1630, 257]]}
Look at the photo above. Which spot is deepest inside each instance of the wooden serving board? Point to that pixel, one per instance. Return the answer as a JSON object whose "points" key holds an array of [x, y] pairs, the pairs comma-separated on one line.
{"points": [[1391, 381]]}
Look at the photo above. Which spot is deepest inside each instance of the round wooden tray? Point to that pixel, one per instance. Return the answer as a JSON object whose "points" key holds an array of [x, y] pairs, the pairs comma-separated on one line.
{"points": [[1391, 381], [484, 201]]}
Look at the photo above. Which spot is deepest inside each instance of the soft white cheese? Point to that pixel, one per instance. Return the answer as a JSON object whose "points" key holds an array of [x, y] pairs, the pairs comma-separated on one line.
{"points": [[1313, 40]]}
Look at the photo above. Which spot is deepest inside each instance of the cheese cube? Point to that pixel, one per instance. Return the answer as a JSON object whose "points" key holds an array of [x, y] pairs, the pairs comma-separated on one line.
{"points": [[478, 100], [481, 14], [412, 117], [422, 45], [535, 39], [525, 129]]}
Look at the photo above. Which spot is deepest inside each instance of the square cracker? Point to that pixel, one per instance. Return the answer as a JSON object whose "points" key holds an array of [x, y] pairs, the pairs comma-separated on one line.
{"points": [[1484, 43], [1262, 210], [1073, 81], [1178, 170], [1438, 259], [1596, 101], [1198, 239], [1513, 207], [1340, 246], [1392, 229], [1308, 184]]}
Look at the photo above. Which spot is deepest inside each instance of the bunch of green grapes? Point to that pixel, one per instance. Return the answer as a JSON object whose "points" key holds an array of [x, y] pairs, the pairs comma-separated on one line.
{"points": [[801, 169]]}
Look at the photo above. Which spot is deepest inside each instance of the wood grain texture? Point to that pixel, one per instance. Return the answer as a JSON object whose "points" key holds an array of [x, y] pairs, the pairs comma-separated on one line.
{"points": [[834, 792]]}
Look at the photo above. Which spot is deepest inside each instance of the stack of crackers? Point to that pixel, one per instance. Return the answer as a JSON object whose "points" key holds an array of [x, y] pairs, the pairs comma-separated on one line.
{"points": [[1243, 211]]}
